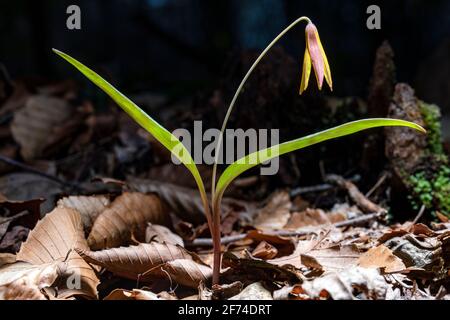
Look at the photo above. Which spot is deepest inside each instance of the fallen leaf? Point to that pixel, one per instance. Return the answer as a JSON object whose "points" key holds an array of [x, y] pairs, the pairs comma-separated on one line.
{"points": [[89, 207], [249, 268], [162, 234], [36, 124], [332, 258], [265, 251], [275, 214], [53, 239], [7, 258], [343, 285], [133, 261], [319, 255], [135, 294], [24, 281], [185, 272], [254, 291], [381, 257], [184, 202], [128, 213], [312, 217], [223, 291]]}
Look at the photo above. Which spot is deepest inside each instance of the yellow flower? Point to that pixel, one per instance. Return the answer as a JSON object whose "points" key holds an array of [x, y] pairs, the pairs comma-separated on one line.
{"points": [[315, 56]]}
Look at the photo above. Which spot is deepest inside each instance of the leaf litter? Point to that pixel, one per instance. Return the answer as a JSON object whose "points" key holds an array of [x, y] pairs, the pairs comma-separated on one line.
{"points": [[92, 208]]}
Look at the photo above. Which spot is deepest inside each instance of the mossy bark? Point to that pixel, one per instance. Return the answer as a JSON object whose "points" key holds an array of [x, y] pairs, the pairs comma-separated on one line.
{"points": [[418, 162]]}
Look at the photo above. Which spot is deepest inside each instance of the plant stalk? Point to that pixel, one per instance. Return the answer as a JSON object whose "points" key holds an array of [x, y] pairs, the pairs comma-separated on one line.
{"points": [[216, 199], [236, 94]]}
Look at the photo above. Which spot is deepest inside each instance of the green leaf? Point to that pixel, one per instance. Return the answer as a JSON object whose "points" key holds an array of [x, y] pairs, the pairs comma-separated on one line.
{"points": [[258, 157], [166, 138]]}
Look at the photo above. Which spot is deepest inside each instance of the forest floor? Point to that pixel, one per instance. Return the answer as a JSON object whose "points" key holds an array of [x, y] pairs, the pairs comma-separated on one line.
{"points": [[91, 207]]}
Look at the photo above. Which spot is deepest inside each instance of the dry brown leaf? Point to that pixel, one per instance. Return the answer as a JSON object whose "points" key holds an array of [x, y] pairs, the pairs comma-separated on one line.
{"points": [[89, 207], [128, 214], [24, 281], [184, 202], [53, 239], [7, 258], [275, 214], [133, 261], [312, 217], [185, 272], [333, 258], [35, 124], [135, 294], [342, 285], [321, 256], [162, 234], [381, 257], [265, 251], [254, 291]]}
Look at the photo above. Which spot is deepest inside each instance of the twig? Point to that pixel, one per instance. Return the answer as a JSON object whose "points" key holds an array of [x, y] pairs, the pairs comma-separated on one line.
{"points": [[27, 168], [361, 201], [377, 185], [289, 233], [419, 215], [317, 188]]}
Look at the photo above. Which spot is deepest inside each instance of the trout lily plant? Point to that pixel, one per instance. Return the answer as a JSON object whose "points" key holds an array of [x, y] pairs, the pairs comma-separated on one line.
{"points": [[314, 58]]}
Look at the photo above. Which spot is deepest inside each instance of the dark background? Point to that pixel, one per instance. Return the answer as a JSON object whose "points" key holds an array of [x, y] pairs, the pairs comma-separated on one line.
{"points": [[180, 47]]}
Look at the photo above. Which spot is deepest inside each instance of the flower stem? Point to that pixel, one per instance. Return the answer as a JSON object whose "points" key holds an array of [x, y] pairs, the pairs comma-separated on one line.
{"points": [[238, 91], [216, 199]]}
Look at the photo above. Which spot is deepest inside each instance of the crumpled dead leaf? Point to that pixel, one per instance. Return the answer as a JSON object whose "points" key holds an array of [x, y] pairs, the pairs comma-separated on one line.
{"points": [[185, 272], [313, 217], [35, 126], [342, 285], [7, 258], [254, 291], [89, 207], [53, 239], [133, 261], [265, 251], [320, 255], [383, 258], [135, 294], [184, 202], [24, 281], [162, 234], [275, 214], [128, 214]]}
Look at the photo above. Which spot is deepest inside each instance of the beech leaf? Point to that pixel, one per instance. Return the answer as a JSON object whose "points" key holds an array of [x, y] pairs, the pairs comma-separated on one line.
{"points": [[133, 261], [129, 213], [53, 239], [89, 207], [24, 281]]}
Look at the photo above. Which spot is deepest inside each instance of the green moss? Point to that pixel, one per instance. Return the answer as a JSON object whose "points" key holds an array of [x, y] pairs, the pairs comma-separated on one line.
{"points": [[430, 185], [432, 117], [431, 190]]}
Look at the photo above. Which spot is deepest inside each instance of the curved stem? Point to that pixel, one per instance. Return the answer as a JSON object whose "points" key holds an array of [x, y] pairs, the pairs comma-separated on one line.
{"points": [[238, 91]]}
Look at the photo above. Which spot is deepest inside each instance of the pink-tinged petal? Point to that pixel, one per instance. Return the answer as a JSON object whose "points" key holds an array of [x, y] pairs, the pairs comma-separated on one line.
{"points": [[313, 45], [306, 72], [327, 70]]}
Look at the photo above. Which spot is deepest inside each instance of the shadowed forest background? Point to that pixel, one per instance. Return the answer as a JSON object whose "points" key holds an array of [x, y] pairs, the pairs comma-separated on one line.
{"points": [[75, 168], [177, 46]]}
